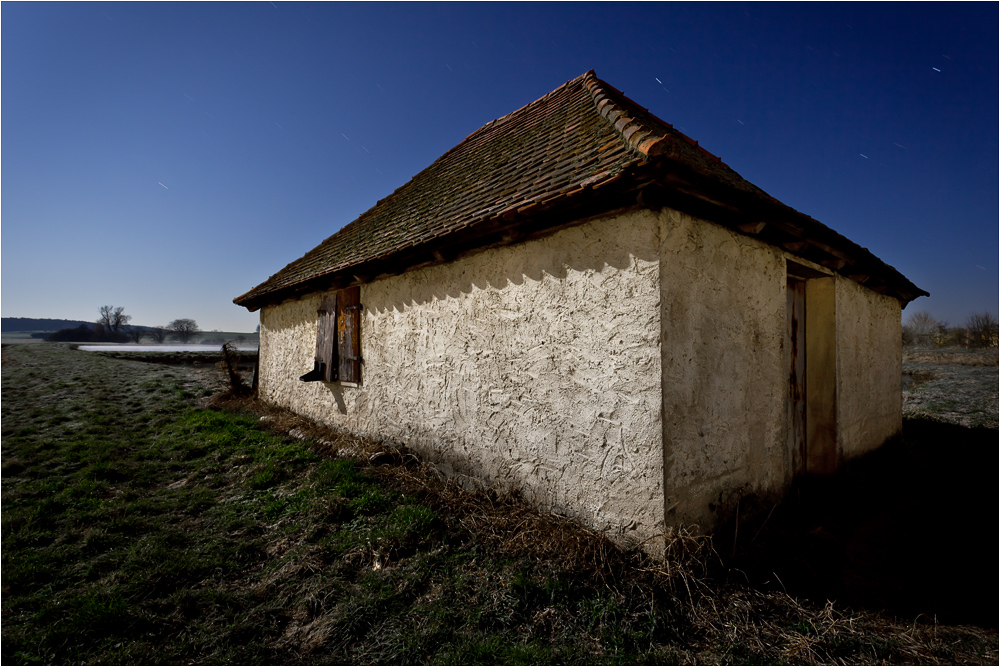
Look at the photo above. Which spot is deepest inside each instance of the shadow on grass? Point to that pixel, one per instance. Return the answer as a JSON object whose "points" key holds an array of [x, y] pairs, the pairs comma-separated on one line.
{"points": [[909, 529]]}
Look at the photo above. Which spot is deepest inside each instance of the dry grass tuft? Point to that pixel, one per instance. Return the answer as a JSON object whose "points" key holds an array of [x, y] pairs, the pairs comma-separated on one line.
{"points": [[230, 367]]}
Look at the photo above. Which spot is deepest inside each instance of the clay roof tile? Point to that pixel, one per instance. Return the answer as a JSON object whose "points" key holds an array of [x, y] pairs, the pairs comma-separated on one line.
{"points": [[581, 138]]}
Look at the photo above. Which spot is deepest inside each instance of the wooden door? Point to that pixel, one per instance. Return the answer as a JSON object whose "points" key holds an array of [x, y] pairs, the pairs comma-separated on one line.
{"points": [[796, 294]]}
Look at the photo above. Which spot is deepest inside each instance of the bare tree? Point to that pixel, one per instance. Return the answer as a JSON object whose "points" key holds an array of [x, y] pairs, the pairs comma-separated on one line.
{"points": [[158, 334], [113, 318], [981, 329], [135, 334], [920, 327], [107, 314], [120, 320], [184, 329]]}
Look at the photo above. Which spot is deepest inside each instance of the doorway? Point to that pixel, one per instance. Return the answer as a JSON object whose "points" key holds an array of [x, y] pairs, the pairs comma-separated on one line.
{"points": [[812, 371], [796, 338]]}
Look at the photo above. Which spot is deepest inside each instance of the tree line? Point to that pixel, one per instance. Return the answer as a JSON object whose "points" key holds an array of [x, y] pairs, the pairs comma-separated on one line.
{"points": [[19, 324], [113, 326], [922, 328]]}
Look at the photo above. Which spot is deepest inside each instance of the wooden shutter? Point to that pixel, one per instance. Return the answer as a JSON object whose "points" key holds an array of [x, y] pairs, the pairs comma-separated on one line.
{"points": [[326, 344], [349, 334]]}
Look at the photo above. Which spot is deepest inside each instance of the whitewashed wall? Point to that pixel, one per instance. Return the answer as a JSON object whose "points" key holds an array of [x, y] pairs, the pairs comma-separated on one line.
{"points": [[869, 369], [535, 365], [725, 380], [629, 371]]}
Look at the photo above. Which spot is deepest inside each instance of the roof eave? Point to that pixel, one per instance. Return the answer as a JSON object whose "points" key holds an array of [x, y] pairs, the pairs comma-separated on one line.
{"points": [[654, 184], [775, 223], [509, 225]]}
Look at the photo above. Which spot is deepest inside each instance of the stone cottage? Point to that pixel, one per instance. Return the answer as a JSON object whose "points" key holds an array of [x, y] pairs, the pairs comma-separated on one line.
{"points": [[579, 302]]}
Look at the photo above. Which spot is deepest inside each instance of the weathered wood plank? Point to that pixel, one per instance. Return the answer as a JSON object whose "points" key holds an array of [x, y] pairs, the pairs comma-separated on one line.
{"points": [[326, 352], [349, 334], [752, 227]]}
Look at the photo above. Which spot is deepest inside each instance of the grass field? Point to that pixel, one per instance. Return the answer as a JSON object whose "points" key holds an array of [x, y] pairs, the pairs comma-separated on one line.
{"points": [[19, 337], [142, 526], [953, 385]]}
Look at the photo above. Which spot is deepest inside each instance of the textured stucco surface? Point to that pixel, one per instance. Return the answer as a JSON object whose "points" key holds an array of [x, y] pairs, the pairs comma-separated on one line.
{"points": [[724, 368], [630, 371], [535, 366], [869, 369]]}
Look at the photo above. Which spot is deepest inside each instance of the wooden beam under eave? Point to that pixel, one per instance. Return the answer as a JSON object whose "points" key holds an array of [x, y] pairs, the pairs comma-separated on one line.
{"points": [[795, 246], [833, 264], [860, 278], [512, 235], [752, 227], [830, 250], [706, 198], [650, 197], [798, 233]]}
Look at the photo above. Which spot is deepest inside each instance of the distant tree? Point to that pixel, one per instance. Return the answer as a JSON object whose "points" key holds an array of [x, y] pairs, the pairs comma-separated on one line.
{"points": [[959, 336], [184, 329], [82, 334], [981, 330], [158, 334], [943, 335], [37, 324], [920, 328], [135, 334], [113, 319]]}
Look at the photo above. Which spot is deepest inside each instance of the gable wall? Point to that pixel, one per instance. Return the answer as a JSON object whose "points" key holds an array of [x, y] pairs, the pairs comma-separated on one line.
{"points": [[869, 369], [725, 376], [725, 370], [535, 365]]}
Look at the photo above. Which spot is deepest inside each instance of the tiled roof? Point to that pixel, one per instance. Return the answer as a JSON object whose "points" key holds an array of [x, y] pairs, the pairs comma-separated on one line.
{"points": [[582, 139]]}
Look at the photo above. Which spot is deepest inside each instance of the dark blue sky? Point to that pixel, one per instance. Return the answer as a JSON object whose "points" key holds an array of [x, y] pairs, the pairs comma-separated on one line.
{"points": [[168, 157]]}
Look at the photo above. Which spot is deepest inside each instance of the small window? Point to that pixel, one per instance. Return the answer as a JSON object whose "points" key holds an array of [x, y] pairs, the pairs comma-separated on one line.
{"points": [[338, 339]]}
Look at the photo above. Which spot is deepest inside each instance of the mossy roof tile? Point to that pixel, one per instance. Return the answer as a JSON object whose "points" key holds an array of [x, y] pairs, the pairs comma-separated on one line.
{"points": [[579, 138]]}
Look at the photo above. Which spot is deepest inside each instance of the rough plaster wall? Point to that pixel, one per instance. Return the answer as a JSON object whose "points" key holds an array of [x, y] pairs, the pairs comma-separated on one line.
{"points": [[724, 370], [869, 369], [535, 366]]}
